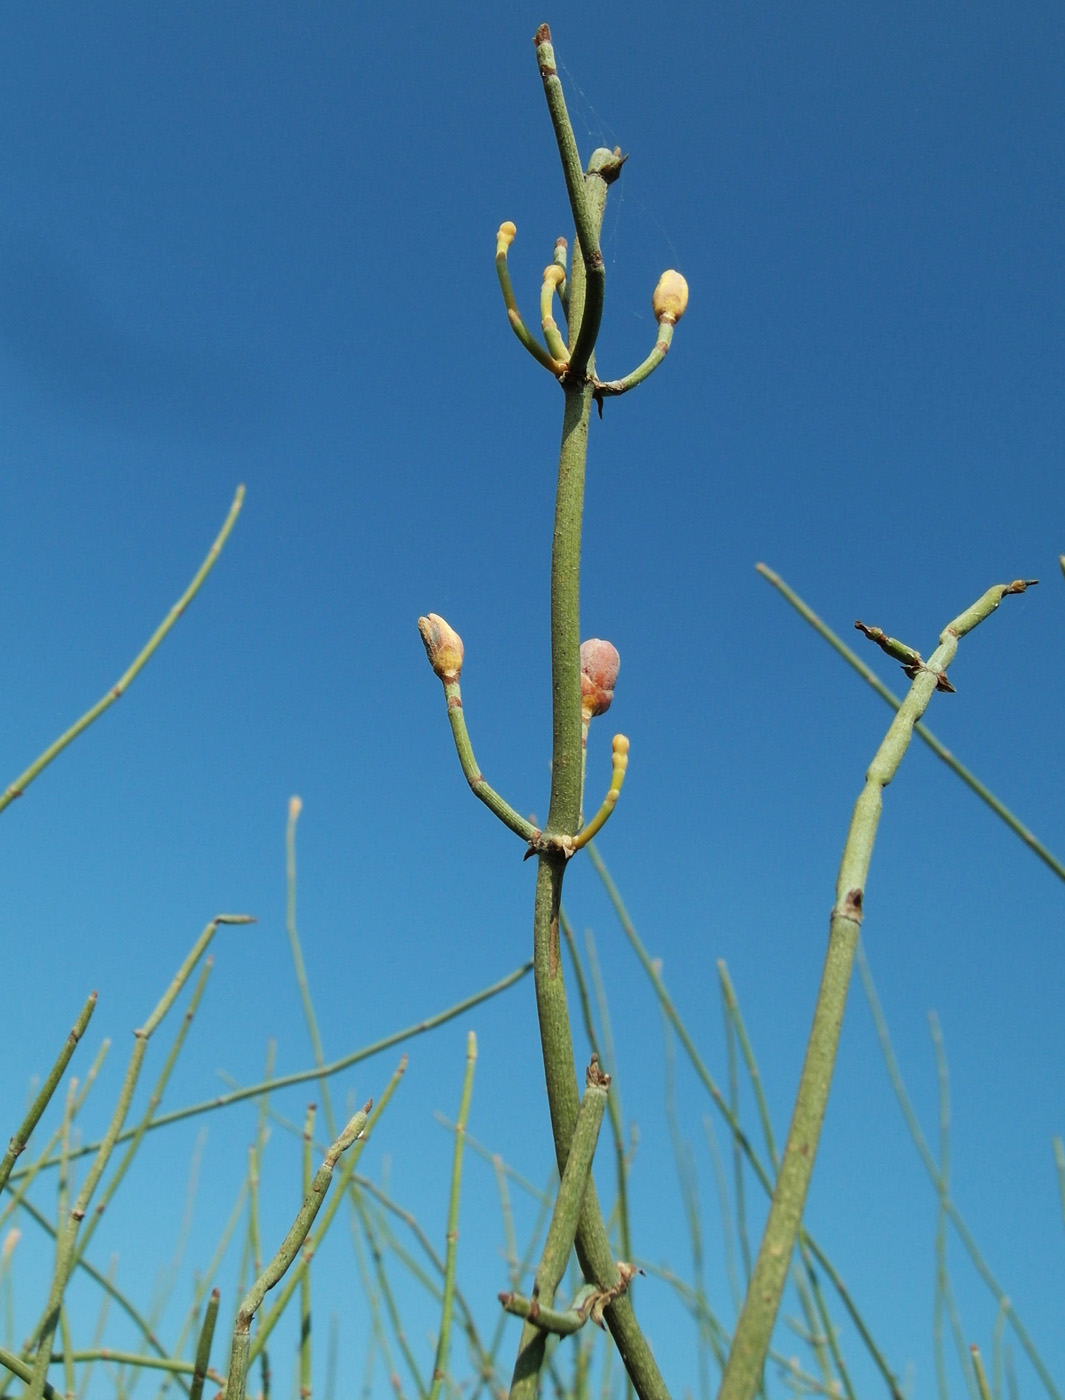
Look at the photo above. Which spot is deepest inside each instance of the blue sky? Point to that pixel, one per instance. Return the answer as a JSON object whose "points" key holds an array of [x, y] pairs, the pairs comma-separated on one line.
{"points": [[254, 244]]}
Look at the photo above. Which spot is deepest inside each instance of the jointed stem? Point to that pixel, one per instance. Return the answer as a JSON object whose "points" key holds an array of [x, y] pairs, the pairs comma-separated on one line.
{"points": [[753, 1331], [588, 201]]}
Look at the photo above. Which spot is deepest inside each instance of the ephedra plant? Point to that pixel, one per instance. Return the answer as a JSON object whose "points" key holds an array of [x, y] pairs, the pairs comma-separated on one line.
{"points": [[583, 678], [582, 681]]}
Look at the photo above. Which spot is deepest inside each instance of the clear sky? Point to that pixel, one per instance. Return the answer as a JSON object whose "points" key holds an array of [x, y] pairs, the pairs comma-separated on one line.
{"points": [[254, 243]]}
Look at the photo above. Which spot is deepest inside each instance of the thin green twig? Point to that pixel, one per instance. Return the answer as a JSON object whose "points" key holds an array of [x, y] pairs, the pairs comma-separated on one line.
{"points": [[285, 1081], [287, 1253], [203, 1346], [735, 1127], [750, 1343], [66, 1255], [22, 1133], [930, 1166], [938, 748], [443, 1341], [22, 782]]}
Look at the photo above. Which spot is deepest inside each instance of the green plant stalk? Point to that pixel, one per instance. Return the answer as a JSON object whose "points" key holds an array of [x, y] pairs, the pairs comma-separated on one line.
{"points": [[132, 1358], [24, 1372], [22, 1134], [939, 749], [305, 1281], [612, 387], [203, 1282], [558, 1322], [981, 1375], [806, 1278], [22, 782], [587, 282], [750, 1343], [727, 1226], [285, 1081], [929, 1163], [944, 1290], [28, 1175], [294, 808], [562, 1231], [735, 1127], [385, 1290], [66, 1255], [106, 1284], [613, 1101], [203, 1347], [588, 202], [154, 1101], [443, 1341], [472, 773], [290, 1247], [271, 1317], [689, 1194]]}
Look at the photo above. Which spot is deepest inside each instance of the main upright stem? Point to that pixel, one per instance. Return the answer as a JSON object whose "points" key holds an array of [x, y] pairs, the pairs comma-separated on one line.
{"points": [[593, 1243]]}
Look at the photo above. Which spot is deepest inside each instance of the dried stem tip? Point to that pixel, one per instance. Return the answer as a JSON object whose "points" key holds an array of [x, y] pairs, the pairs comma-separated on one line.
{"points": [[599, 674], [443, 646], [670, 298]]}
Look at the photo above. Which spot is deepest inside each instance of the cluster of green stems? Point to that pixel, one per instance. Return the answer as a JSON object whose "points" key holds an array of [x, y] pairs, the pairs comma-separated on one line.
{"points": [[571, 360]]}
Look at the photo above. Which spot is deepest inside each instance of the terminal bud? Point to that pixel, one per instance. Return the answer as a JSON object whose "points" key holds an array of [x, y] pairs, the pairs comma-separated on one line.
{"points": [[670, 298], [443, 646]]}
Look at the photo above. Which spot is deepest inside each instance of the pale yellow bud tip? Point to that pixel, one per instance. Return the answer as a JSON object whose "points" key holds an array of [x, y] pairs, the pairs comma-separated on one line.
{"points": [[505, 236], [670, 297], [295, 807], [554, 274], [443, 646]]}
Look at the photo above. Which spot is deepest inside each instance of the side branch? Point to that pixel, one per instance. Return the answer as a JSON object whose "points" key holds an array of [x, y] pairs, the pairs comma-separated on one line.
{"points": [[22, 782], [743, 1371]]}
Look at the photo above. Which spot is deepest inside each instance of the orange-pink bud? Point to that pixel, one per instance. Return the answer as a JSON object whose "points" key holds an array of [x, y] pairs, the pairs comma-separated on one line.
{"points": [[443, 646], [599, 673]]}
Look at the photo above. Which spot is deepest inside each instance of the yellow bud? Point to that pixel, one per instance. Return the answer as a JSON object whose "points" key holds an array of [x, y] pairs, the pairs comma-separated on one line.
{"points": [[554, 274], [505, 237], [11, 1239], [295, 807], [670, 298], [443, 646]]}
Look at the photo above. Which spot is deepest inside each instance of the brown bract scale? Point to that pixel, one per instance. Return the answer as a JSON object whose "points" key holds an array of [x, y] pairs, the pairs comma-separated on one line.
{"points": [[443, 646], [599, 674]]}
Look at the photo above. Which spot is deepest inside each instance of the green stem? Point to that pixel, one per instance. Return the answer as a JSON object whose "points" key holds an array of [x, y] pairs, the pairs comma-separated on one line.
{"points": [[479, 786], [66, 1255], [22, 782], [939, 749], [443, 1340], [271, 1317], [203, 1346], [734, 1124], [283, 1259], [612, 387], [928, 1160], [743, 1372], [587, 199], [305, 1281], [304, 1076], [22, 1133], [561, 1232]]}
